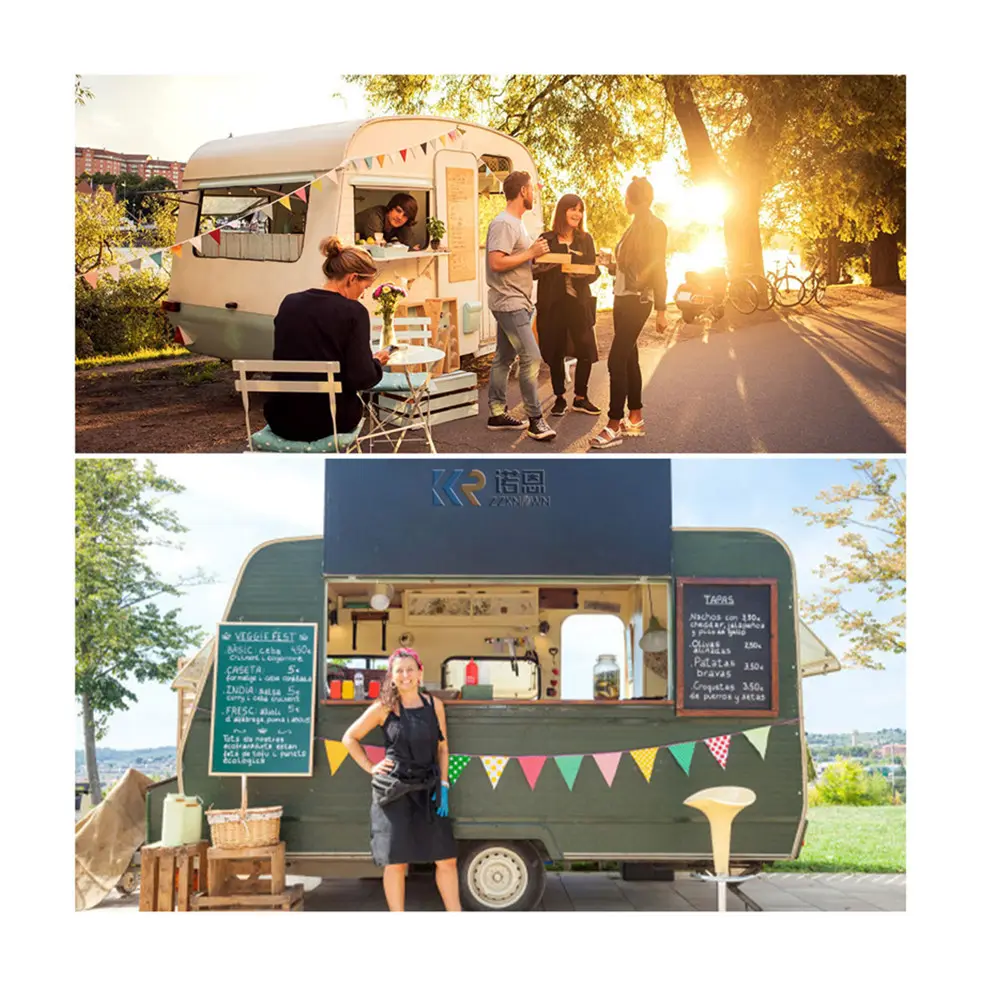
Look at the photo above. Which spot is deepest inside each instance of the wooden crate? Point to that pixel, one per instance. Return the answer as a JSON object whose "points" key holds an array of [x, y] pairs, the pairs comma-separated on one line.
{"points": [[290, 899], [452, 397], [170, 876], [443, 314], [246, 871]]}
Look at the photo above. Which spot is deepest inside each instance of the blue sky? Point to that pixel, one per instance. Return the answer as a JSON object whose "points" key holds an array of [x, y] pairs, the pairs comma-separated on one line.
{"points": [[234, 502]]}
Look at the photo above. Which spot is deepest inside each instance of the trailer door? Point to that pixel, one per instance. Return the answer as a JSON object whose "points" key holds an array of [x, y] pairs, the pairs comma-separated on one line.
{"points": [[456, 199]]}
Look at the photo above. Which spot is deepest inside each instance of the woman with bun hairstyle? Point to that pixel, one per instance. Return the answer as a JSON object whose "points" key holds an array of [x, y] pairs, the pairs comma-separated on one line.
{"points": [[639, 268], [328, 323], [409, 812], [566, 306]]}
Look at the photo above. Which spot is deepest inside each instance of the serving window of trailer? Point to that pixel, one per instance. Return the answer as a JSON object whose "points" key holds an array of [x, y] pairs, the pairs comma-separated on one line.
{"points": [[367, 195], [492, 201], [251, 227]]}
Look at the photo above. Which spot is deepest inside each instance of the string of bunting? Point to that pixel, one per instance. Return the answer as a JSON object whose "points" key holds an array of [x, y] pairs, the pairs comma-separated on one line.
{"points": [[569, 764], [114, 271]]}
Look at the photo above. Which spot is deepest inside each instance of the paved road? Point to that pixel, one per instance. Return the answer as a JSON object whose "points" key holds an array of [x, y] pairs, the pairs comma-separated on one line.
{"points": [[808, 380], [600, 892]]}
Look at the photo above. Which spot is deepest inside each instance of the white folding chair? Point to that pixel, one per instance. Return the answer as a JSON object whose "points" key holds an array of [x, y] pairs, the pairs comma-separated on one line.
{"points": [[329, 385], [408, 328]]}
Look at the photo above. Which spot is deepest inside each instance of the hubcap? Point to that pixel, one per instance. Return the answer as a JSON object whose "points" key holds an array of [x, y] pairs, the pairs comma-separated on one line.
{"points": [[498, 877]]}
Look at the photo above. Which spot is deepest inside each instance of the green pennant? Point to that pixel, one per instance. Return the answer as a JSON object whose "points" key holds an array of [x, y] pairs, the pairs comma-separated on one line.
{"points": [[157, 258], [569, 767], [758, 737], [683, 752], [368, 162], [456, 765]]}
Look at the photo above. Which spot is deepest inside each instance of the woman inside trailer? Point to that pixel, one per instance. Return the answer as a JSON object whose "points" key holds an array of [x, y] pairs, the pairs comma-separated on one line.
{"points": [[409, 811], [326, 324]]}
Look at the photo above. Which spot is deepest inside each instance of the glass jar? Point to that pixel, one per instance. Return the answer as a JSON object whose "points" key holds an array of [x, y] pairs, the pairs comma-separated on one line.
{"points": [[607, 677]]}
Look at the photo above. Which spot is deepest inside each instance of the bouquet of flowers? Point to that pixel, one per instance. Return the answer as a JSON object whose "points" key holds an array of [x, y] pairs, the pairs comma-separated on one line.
{"points": [[387, 296]]}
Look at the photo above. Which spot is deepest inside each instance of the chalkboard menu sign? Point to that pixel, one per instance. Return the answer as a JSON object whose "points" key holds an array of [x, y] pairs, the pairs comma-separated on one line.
{"points": [[262, 705], [727, 647]]}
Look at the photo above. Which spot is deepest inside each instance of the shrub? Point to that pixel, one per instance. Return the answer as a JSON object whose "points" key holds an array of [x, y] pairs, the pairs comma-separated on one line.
{"points": [[119, 317], [847, 783]]}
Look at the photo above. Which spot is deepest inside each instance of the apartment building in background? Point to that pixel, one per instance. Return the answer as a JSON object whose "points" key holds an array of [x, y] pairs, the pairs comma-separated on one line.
{"points": [[103, 161]]}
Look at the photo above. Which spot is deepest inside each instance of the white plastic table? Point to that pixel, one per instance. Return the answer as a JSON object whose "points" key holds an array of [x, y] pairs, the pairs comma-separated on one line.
{"points": [[410, 357]]}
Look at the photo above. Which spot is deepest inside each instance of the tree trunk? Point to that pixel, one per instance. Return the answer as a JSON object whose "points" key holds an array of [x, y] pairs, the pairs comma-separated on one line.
{"points": [[884, 260], [90, 750], [742, 225], [831, 259]]}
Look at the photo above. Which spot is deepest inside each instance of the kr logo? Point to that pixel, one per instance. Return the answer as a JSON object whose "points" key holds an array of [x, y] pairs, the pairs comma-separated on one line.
{"points": [[445, 483]]}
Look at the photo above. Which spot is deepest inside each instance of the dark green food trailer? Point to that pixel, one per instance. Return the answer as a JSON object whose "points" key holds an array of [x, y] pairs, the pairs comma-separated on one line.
{"points": [[479, 569]]}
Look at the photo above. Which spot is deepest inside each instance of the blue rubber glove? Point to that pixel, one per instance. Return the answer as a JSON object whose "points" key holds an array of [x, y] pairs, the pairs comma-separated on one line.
{"points": [[442, 809]]}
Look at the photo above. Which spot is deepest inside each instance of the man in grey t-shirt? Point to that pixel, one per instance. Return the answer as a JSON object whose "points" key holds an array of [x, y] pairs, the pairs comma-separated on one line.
{"points": [[509, 253]]}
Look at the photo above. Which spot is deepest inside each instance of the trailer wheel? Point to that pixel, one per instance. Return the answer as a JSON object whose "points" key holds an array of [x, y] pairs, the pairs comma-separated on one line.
{"points": [[128, 883], [503, 875]]}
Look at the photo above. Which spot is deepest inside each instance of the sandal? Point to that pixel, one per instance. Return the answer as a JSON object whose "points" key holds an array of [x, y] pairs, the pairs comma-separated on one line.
{"points": [[607, 438], [635, 430]]}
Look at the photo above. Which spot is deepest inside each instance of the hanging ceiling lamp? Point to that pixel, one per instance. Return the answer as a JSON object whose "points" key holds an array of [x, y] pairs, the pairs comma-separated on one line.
{"points": [[656, 639], [381, 597]]}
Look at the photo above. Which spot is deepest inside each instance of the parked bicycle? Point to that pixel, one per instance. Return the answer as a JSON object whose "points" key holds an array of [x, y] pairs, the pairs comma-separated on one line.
{"points": [[789, 289], [764, 288], [815, 287], [706, 293]]}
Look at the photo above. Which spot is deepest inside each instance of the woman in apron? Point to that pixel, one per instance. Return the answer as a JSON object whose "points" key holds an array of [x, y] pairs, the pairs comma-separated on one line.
{"points": [[409, 814]]}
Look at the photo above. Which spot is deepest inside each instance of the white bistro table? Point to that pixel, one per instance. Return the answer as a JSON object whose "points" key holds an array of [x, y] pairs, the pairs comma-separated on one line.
{"points": [[417, 412]]}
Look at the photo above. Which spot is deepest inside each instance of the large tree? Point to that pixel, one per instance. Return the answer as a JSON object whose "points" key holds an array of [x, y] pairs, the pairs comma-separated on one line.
{"points": [[123, 635], [870, 514], [587, 130]]}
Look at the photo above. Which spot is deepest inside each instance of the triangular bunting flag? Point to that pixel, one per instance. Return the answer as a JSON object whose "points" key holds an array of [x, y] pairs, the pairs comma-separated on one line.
{"points": [[608, 763], [114, 272], [532, 767], [195, 241], [434, 144], [423, 148], [267, 210], [157, 258], [443, 139], [719, 745], [186, 340], [176, 249], [368, 162], [318, 183], [461, 131], [136, 264], [286, 201], [300, 194], [758, 737], [494, 768], [374, 754], [403, 153], [453, 135], [331, 175], [91, 277], [569, 766], [381, 159], [456, 765], [335, 754], [216, 235], [645, 759], [683, 752]]}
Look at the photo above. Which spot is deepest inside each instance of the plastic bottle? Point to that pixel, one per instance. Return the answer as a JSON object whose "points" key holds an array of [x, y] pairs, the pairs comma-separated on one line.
{"points": [[335, 686], [359, 686], [607, 676], [472, 672], [347, 691]]}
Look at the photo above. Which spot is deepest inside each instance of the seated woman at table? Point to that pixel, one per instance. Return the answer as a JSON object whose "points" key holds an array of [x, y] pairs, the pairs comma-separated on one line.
{"points": [[394, 221], [326, 324]]}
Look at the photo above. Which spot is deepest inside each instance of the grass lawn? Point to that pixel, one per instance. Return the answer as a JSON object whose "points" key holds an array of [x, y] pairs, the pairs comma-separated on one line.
{"points": [[146, 354], [852, 839]]}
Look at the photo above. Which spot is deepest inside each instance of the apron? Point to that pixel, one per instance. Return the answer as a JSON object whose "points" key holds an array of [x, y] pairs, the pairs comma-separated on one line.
{"points": [[408, 829]]}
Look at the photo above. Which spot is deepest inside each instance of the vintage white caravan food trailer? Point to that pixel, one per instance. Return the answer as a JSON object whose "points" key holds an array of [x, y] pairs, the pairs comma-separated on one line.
{"points": [[223, 296]]}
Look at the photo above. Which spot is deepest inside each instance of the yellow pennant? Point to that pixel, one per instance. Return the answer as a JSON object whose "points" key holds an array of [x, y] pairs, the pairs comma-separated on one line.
{"points": [[335, 754], [644, 760], [381, 159], [284, 201], [318, 183]]}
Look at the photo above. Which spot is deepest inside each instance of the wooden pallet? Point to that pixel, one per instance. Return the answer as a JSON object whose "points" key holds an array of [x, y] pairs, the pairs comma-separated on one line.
{"points": [[443, 314], [170, 876], [290, 899], [246, 871]]}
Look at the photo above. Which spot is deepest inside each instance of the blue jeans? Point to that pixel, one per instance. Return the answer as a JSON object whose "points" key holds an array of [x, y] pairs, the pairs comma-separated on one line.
{"points": [[515, 340]]}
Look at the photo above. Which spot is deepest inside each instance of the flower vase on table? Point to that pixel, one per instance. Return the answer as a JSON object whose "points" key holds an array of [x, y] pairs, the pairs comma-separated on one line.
{"points": [[387, 296]]}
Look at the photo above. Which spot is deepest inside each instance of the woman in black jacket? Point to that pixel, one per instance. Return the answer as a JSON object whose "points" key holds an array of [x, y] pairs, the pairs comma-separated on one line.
{"points": [[566, 306], [326, 324], [640, 274]]}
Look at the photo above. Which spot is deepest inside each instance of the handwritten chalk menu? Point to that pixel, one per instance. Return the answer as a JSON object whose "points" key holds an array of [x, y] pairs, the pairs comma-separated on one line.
{"points": [[727, 647], [262, 706], [463, 236]]}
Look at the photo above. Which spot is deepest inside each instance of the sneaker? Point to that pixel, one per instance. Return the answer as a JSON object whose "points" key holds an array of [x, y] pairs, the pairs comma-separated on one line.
{"points": [[505, 422], [558, 407], [586, 406], [540, 430]]}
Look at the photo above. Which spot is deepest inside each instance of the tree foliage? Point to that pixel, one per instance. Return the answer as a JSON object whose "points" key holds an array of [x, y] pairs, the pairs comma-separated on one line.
{"points": [[870, 514], [847, 783], [82, 94], [123, 635]]}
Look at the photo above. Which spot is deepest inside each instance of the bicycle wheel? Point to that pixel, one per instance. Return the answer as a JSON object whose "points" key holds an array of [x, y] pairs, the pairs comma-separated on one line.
{"points": [[743, 296], [765, 292], [820, 293], [789, 291], [810, 290]]}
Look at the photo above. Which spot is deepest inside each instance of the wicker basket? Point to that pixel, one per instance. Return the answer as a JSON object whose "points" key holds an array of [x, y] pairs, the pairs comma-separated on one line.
{"points": [[259, 827]]}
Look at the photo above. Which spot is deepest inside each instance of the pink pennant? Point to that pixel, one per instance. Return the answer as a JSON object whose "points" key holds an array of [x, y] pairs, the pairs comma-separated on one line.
{"points": [[719, 745], [91, 278], [216, 235], [300, 194], [608, 763], [532, 767], [453, 135], [374, 754]]}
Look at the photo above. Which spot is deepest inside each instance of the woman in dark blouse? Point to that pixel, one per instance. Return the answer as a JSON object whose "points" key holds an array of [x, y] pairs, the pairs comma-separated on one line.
{"points": [[566, 306], [326, 324]]}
